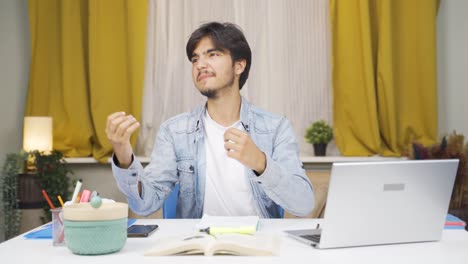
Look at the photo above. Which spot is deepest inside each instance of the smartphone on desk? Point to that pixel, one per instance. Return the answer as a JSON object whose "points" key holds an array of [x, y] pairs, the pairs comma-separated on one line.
{"points": [[141, 230]]}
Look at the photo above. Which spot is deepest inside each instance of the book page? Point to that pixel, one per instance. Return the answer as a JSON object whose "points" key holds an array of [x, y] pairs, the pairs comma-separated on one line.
{"points": [[244, 245], [181, 245]]}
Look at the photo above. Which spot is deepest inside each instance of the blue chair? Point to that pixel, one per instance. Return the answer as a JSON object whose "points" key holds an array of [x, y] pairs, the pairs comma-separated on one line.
{"points": [[281, 211], [170, 205]]}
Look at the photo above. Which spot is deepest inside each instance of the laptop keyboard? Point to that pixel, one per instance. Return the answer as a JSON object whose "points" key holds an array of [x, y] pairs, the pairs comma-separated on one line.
{"points": [[314, 238]]}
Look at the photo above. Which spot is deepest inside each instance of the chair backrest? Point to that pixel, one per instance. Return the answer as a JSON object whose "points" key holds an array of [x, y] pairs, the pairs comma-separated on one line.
{"points": [[170, 205], [281, 211]]}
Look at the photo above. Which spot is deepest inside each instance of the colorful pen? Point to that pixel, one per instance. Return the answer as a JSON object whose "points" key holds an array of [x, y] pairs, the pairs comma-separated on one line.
{"points": [[85, 196], [60, 200], [44, 193], [77, 189], [93, 194]]}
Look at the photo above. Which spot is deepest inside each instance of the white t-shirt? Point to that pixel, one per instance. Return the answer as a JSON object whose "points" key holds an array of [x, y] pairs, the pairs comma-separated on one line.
{"points": [[227, 191]]}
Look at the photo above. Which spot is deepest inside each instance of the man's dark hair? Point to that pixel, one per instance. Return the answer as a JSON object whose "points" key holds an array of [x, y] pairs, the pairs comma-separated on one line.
{"points": [[225, 36]]}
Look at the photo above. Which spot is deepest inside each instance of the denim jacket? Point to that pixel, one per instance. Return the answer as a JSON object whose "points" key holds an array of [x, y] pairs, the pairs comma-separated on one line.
{"points": [[179, 157]]}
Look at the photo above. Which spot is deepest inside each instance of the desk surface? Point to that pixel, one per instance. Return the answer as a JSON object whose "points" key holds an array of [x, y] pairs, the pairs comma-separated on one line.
{"points": [[453, 248]]}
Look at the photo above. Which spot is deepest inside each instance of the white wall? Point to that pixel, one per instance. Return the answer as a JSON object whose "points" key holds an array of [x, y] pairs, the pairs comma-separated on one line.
{"points": [[14, 65], [14, 68], [452, 43], [452, 57]]}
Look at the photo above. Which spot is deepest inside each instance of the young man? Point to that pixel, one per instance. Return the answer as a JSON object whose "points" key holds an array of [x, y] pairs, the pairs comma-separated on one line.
{"points": [[229, 157]]}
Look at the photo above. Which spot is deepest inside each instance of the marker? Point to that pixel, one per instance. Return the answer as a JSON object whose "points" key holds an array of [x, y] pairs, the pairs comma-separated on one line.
{"points": [[60, 200], [93, 194], [246, 230], [77, 189], [85, 196], [44, 193]]}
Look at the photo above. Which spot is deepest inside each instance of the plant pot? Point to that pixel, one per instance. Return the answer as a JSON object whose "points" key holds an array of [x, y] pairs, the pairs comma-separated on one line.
{"points": [[320, 149]]}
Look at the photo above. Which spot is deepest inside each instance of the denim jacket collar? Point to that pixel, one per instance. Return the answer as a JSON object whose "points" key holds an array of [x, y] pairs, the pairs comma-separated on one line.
{"points": [[245, 116]]}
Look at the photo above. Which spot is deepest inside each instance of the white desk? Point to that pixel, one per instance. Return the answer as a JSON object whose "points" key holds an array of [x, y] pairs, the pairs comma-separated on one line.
{"points": [[452, 249]]}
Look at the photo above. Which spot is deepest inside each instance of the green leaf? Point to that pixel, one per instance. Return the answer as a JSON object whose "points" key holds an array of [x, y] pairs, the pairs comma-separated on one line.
{"points": [[319, 132]]}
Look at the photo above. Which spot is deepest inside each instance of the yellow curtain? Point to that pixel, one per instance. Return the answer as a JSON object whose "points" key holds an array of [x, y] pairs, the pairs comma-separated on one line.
{"points": [[87, 62], [384, 75]]}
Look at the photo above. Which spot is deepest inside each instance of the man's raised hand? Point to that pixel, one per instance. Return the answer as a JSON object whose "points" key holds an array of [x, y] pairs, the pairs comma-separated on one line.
{"points": [[119, 129]]}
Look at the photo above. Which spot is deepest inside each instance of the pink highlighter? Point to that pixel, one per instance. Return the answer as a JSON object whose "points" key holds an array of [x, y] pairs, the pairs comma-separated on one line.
{"points": [[85, 196]]}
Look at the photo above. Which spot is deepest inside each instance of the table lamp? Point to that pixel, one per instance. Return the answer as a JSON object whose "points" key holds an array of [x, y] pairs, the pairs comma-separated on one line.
{"points": [[37, 135]]}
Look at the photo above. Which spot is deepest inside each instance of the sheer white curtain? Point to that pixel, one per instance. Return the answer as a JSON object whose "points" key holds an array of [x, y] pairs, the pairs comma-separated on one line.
{"points": [[290, 73]]}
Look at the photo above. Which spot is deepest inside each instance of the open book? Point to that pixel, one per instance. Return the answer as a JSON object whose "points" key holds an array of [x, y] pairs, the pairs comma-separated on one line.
{"points": [[221, 244]]}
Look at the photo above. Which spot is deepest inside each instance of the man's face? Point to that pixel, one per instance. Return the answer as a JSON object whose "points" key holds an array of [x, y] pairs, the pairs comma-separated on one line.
{"points": [[212, 69]]}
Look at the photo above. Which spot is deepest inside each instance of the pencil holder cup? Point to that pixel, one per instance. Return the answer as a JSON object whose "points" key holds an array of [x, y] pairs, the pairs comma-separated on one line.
{"points": [[95, 231], [57, 227]]}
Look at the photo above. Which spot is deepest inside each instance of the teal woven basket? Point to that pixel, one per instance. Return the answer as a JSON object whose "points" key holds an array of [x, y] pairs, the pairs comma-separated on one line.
{"points": [[95, 237]]}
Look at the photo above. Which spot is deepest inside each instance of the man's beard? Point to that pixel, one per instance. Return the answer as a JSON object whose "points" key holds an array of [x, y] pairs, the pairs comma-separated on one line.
{"points": [[213, 93], [210, 93]]}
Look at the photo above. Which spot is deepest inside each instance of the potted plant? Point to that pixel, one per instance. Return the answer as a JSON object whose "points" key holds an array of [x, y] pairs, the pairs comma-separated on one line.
{"points": [[449, 147], [11, 213], [319, 134]]}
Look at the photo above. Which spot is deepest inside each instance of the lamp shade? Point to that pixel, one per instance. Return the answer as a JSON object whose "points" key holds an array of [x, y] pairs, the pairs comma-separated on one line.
{"points": [[37, 134]]}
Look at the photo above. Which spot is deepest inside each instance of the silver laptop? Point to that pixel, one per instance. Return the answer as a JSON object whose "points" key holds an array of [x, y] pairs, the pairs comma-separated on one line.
{"points": [[374, 203]]}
